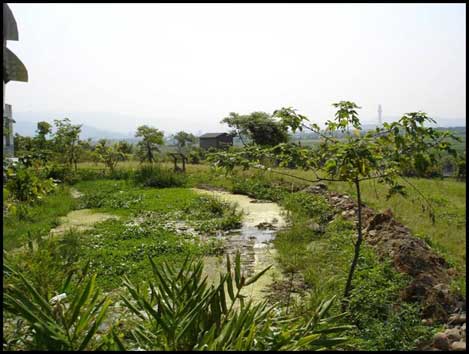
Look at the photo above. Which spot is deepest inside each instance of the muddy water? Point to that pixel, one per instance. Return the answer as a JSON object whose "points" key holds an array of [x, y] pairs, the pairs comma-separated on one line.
{"points": [[255, 244]]}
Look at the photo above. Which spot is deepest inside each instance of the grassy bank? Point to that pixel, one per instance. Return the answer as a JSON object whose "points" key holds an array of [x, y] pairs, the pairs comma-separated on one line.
{"points": [[36, 219]]}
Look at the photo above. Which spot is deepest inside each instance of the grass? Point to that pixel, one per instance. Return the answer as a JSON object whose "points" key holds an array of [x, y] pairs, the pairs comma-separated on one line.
{"points": [[39, 218], [147, 227], [165, 224], [322, 255], [448, 197], [447, 235]]}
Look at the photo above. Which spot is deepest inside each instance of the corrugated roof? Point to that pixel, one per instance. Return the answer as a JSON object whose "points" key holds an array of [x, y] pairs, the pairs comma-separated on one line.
{"points": [[211, 135]]}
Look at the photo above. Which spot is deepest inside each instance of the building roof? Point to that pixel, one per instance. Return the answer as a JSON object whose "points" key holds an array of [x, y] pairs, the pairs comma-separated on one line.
{"points": [[14, 69], [212, 135], [10, 29]]}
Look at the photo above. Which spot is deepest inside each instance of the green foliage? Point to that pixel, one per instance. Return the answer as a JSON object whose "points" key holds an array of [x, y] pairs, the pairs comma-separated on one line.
{"points": [[104, 199], [383, 322], [152, 138], [110, 155], [258, 127], [57, 323], [43, 129], [196, 155], [181, 312], [41, 217], [156, 176], [211, 215], [309, 205], [60, 172], [66, 140], [25, 185], [259, 188], [184, 140]]}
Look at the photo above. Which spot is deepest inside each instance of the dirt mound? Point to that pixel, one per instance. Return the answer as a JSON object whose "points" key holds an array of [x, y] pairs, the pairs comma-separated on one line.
{"points": [[431, 275]]}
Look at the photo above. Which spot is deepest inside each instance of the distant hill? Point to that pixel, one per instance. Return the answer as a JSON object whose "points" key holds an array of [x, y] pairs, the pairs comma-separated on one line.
{"points": [[87, 131]]}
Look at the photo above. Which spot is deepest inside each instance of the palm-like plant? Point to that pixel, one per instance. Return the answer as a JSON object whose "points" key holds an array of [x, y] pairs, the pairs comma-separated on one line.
{"points": [[181, 312], [56, 324]]}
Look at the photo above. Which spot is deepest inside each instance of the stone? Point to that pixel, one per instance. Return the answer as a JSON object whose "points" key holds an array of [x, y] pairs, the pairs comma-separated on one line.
{"points": [[427, 321], [458, 346], [457, 318], [440, 341], [453, 334]]}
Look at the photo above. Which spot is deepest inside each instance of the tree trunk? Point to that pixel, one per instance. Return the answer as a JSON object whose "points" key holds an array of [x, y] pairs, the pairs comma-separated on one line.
{"points": [[348, 285]]}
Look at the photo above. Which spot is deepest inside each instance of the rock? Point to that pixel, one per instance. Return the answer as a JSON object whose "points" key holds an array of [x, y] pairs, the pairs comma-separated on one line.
{"points": [[314, 226], [440, 341], [427, 321], [457, 318], [265, 226], [458, 346], [453, 334]]}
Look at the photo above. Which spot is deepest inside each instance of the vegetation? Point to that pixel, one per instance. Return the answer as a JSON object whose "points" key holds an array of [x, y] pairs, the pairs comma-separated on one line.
{"points": [[135, 279], [382, 154], [152, 138], [258, 127]]}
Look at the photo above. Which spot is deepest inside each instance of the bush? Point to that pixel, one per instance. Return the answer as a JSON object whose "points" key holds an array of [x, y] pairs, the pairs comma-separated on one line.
{"points": [[258, 187], [309, 205], [155, 176], [26, 186], [63, 173], [180, 312]]}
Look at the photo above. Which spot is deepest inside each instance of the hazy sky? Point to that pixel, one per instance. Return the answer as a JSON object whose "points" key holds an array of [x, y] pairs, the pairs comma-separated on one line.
{"points": [[186, 66]]}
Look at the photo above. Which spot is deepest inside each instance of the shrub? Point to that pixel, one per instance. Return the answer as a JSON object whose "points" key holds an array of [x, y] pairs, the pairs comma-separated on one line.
{"points": [[258, 187], [155, 176], [179, 311], [26, 186], [309, 205], [63, 173], [57, 323]]}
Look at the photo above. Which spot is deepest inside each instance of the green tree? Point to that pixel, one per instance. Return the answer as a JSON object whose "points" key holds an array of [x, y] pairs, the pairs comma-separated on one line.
{"points": [[259, 127], [109, 155], [381, 154], [23, 144], [66, 140], [152, 139], [43, 129], [184, 140], [125, 147]]}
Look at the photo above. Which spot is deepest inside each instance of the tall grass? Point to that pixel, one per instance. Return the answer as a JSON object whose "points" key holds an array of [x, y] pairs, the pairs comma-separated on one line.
{"points": [[36, 219], [156, 176]]}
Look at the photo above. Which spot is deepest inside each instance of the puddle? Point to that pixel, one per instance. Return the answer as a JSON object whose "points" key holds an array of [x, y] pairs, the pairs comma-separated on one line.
{"points": [[80, 220], [254, 243]]}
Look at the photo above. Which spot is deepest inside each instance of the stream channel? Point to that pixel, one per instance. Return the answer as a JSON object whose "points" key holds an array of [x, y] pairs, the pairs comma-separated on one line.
{"points": [[253, 242]]}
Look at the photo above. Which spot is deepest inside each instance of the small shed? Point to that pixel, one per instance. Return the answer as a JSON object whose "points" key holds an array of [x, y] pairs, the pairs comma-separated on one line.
{"points": [[215, 140]]}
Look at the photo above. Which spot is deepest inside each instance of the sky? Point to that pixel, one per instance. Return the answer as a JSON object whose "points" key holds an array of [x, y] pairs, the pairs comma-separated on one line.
{"points": [[187, 66]]}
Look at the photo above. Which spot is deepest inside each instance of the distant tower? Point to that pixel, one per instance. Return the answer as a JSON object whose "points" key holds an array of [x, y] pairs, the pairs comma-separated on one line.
{"points": [[380, 119]]}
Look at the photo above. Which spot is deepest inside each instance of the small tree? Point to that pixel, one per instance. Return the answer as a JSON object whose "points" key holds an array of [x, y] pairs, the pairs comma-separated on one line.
{"points": [[184, 140], [125, 147], [381, 154], [43, 129], [109, 155], [259, 127], [66, 140], [152, 138]]}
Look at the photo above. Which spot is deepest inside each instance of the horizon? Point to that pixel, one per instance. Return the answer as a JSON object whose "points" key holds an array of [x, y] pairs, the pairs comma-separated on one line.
{"points": [[186, 65]]}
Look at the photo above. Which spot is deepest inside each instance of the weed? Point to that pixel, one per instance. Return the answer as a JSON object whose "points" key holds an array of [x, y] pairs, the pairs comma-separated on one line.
{"points": [[155, 176]]}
